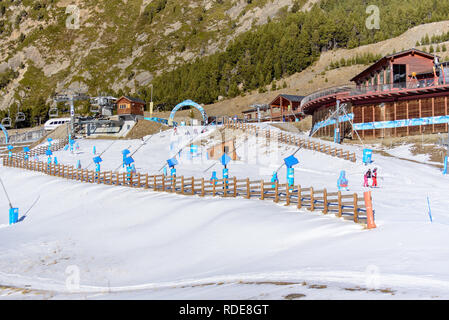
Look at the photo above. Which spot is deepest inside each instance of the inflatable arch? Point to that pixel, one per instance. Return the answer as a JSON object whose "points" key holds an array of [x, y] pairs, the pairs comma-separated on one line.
{"points": [[5, 132], [189, 103]]}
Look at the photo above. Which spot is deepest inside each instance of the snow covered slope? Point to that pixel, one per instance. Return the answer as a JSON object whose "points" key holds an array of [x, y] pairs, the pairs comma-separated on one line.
{"points": [[130, 243]]}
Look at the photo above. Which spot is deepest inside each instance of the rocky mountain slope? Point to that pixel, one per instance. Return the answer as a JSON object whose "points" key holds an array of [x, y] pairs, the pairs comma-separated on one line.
{"points": [[49, 45]]}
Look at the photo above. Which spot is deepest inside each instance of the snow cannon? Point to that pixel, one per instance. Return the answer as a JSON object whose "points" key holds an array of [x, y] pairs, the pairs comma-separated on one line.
{"points": [[10, 147], [213, 179], [94, 150], [125, 153], [337, 135], [26, 150], [290, 162], [128, 161], [194, 150], [445, 165], [171, 164], [274, 179], [13, 215], [225, 159], [97, 161], [48, 153], [342, 182], [71, 143], [367, 156]]}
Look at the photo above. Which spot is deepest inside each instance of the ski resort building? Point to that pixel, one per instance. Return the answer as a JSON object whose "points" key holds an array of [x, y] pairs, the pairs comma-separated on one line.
{"points": [[402, 94], [257, 113], [286, 107], [130, 106]]}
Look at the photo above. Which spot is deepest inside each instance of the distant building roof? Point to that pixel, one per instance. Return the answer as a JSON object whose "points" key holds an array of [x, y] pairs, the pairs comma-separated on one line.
{"points": [[288, 97], [395, 55], [132, 99]]}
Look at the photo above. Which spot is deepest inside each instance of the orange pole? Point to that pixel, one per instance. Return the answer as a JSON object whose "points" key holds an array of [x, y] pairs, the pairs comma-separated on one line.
{"points": [[369, 210]]}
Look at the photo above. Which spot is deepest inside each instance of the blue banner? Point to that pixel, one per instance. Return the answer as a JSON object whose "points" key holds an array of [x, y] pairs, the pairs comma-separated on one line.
{"points": [[329, 122], [401, 123], [385, 124]]}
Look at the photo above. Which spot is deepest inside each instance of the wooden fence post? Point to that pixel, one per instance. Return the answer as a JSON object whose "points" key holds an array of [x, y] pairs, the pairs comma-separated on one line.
{"points": [[325, 210], [312, 200], [182, 184], [202, 187], [235, 187], [340, 209], [276, 192], [299, 197], [287, 194], [262, 193], [248, 190], [356, 211], [193, 186]]}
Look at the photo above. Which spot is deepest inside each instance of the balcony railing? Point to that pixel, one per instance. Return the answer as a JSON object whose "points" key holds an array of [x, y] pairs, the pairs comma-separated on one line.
{"points": [[355, 90]]}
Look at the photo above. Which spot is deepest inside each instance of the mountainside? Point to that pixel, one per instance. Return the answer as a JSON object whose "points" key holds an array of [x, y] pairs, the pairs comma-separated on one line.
{"points": [[118, 45], [205, 50]]}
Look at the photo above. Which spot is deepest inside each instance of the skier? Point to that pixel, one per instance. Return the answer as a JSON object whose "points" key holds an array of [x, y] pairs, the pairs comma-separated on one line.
{"points": [[366, 178], [342, 182], [374, 178]]}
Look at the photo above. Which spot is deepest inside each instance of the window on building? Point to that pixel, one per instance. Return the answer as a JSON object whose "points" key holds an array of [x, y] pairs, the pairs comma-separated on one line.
{"points": [[388, 75], [399, 75], [375, 82], [381, 78]]}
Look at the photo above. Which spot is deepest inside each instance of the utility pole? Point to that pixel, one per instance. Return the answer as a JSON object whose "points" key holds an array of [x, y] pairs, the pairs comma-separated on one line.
{"points": [[151, 103], [70, 99], [337, 124]]}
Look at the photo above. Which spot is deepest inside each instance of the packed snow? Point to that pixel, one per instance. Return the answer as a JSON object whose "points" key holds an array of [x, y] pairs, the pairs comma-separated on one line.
{"points": [[135, 243]]}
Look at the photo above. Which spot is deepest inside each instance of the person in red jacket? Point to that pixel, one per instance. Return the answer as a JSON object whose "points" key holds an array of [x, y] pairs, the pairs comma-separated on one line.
{"points": [[374, 177]]}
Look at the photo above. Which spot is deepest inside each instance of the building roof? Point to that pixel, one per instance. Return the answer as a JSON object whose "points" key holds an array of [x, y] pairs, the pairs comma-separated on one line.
{"points": [[288, 97], [137, 100], [253, 108], [393, 56]]}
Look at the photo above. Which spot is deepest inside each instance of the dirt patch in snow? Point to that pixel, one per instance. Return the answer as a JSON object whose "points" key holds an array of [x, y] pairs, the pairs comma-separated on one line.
{"points": [[144, 128]]}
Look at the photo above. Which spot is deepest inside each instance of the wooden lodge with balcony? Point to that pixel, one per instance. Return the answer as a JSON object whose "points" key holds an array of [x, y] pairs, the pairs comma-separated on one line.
{"points": [[286, 108], [401, 94]]}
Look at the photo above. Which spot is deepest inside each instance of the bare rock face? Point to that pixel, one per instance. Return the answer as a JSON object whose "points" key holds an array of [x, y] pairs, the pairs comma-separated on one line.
{"points": [[105, 50], [144, 78]]}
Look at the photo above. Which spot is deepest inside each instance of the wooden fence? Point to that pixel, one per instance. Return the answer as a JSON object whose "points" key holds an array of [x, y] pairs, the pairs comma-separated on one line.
{"points": [[288, 138], [349, 206], [39, 150]]}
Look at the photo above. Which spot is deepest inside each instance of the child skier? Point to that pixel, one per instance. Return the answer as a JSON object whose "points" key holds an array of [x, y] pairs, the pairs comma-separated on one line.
{"points": [[374, 178], [342, 182], [366, 178]]}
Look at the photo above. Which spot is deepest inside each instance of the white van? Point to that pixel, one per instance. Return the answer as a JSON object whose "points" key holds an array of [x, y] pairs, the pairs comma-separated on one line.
{"points": [[54, 123]]}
